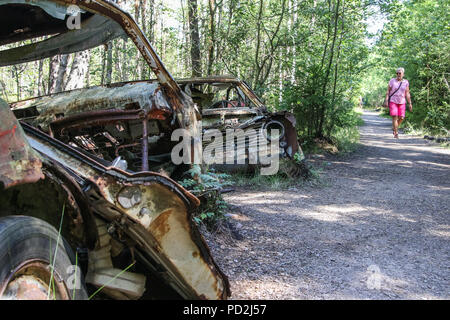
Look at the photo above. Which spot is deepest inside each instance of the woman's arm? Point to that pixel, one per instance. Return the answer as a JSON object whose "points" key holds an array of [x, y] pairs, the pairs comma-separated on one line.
{"points": [[408, 97], [387, 96]]}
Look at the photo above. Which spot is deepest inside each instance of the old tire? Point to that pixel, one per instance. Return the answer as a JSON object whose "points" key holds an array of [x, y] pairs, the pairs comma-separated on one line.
{"points": [[27, 250]]}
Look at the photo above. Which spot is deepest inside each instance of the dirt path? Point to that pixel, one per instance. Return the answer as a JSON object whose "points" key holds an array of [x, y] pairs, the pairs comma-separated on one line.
{"points": [[378, 229]]}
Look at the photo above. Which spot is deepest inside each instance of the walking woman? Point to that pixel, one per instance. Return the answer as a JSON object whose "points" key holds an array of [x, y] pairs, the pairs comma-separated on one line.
{"points": [[398, 89]]}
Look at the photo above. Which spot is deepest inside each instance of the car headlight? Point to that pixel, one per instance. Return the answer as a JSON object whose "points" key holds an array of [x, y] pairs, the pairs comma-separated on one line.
{"points": [[271, 125]]}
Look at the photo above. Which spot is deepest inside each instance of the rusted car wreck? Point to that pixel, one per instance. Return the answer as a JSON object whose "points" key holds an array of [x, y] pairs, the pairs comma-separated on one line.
{"points": [[226, 102], [81, 206], [105, 120]]}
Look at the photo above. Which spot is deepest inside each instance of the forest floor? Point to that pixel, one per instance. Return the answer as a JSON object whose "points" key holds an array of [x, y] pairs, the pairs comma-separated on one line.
{"points": [[377, 227]]}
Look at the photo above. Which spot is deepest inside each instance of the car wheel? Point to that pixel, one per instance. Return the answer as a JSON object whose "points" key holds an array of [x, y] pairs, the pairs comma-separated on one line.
{"points": [[27, 257]]}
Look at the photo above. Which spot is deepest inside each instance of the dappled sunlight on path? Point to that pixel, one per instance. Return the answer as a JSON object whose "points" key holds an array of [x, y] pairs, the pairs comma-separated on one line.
{"points": [[383, 215]]}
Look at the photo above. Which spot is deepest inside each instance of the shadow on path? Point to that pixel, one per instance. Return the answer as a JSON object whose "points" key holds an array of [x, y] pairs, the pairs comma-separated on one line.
{"points": [[379, 229]]}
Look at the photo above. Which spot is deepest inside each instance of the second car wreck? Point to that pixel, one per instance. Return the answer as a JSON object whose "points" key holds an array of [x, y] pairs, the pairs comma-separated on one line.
{"points": [[229, 103], [83, 168]]}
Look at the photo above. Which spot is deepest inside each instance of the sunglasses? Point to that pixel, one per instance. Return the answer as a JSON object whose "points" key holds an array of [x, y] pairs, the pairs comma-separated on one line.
{"points": [[399, 73]]}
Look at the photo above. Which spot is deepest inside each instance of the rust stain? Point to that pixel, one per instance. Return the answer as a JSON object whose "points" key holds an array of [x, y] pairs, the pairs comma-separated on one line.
{"points": [[12, 131], [160, 226]]}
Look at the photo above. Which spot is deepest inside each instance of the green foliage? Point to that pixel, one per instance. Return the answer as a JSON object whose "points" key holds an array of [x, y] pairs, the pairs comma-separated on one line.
{"points": [[299, 157], [438, 118], [329, 71], [417, 37], [256, 181], [207, 186], [199, 183], [346, 138]]}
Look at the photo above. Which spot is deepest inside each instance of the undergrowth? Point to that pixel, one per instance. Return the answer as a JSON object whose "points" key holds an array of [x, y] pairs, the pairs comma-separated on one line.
{"points": [[340, 141], [279, 181], [207, 186]]}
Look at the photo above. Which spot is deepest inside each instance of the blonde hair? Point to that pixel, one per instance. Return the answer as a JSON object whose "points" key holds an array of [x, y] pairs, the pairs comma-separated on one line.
{"points": [[401, 69]]}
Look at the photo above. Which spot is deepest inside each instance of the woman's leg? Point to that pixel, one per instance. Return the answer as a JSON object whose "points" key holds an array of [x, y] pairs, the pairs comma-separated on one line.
{"points": [[401, 114], [395, 124]]}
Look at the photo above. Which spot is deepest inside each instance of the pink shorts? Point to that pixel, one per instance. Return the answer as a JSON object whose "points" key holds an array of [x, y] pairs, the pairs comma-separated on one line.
{"points": [[396, 109]]}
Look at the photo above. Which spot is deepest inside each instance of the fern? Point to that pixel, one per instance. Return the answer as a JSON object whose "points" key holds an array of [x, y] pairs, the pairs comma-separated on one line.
{"points": [[207, 187]]}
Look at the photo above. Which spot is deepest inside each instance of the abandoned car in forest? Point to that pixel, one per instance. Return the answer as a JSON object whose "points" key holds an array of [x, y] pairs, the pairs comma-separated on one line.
{"points": [[81, 208], [226, 102], [88, 191], [83, 119]]}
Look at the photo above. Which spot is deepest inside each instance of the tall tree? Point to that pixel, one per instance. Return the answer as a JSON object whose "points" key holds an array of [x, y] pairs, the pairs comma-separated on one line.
{"points": [[195, 38], [78, 71], [61, 73], [53, 73], [109, 63]]}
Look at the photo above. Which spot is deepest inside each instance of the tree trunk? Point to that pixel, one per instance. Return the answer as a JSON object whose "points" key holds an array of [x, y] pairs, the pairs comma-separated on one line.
{"points": [[195, 38], [104, 51], [212, 29], [39, 81], [18, 82], [219, 39], [137, 13], [294, 18], [258, 44], [88, 69], [152, 18], [62, 68], [53, 73], [328, 70], [78, 71], [5, 92], [143, 69], [109, 60], [264, 67], [124, 61]]}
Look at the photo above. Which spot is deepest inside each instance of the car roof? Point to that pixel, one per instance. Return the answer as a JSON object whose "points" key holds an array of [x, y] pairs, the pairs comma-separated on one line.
{"points": [[22, 20], [103, 21]]}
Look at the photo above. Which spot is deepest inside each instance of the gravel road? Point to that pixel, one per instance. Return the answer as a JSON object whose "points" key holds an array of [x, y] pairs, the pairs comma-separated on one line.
{"points": [[377, 228]]}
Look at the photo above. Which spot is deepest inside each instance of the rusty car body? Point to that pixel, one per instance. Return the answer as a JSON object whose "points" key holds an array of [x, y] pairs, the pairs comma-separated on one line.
{"points": [[82, 161], [106, 120], [227, 102]]}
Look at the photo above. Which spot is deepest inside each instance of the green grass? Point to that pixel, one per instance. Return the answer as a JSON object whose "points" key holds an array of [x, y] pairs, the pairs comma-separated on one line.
{"points": [[110, 281], [342, 140], [272, 182], [52, 267], [347, 139], [277, 181]]}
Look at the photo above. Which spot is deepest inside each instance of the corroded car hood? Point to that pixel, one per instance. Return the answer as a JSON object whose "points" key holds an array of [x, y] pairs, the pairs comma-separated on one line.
{"points": [[166, 232], [147, 96]]}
